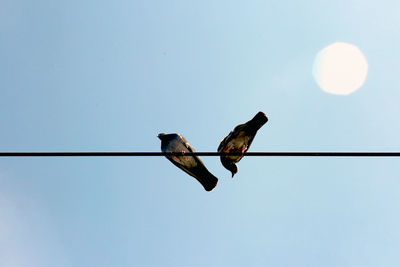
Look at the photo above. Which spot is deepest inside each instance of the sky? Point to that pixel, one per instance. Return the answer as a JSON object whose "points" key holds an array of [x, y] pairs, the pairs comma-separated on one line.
{"points": [[111, 75]]}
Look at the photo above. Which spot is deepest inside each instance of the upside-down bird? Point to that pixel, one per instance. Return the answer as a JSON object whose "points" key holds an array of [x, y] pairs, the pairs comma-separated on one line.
{"points": [[192, 165], [239, 140]]}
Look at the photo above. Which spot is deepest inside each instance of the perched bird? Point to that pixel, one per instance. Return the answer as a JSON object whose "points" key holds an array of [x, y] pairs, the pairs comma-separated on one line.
{"points": [[239, 140], [192, 165]]}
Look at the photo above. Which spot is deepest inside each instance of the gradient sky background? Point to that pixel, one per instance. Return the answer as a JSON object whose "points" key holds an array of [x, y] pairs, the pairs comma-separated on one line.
{"points": [[109, 76]]}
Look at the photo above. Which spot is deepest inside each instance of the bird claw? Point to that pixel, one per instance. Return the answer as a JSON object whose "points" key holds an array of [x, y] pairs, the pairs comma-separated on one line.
{"points": [[228, 149], [179, 158], [243, 150]]}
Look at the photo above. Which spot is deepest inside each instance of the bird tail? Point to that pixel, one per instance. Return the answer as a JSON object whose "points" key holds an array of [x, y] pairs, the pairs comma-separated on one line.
{"points": [[208, 180], [258, 121]]}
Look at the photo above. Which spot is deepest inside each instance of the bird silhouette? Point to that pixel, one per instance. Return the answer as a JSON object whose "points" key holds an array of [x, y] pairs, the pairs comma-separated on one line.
{"points": [[239, 140], [192, 165]]}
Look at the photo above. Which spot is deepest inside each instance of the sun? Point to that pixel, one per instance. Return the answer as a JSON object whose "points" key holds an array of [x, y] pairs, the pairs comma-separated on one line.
{"points": [[340, 68]]}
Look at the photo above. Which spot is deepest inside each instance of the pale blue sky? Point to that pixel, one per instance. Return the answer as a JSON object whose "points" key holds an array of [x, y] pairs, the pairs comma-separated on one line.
{"points": [[109, 76]]}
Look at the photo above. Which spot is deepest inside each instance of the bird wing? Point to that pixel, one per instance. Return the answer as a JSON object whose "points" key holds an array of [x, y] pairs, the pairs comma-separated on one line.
{"points": [[192, 150], [188, 145], [184, 165], [223, 142], [232, 135]]}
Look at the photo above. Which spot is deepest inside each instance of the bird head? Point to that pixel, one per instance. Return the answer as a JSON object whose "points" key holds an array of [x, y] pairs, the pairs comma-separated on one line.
{"points": [[161, 135], [228, 164]]}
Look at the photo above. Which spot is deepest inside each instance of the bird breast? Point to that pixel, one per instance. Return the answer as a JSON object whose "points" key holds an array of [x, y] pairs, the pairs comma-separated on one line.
{"points": [[237, 145]]}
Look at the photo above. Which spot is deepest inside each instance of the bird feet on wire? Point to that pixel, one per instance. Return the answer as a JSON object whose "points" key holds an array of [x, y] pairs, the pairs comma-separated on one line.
{"points": [[228, 149], [177, 159], [183, 154], [243, 150]]}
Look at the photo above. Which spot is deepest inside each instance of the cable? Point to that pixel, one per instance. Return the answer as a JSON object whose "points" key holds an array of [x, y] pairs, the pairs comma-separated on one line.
{"points": [[147, 154]]}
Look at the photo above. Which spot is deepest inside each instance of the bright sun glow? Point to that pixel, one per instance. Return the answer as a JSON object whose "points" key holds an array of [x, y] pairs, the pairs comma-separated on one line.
{"points": [[340, 68]]}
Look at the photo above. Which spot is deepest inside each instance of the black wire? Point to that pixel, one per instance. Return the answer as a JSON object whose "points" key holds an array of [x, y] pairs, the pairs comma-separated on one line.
{"points": [[147, 154]]}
